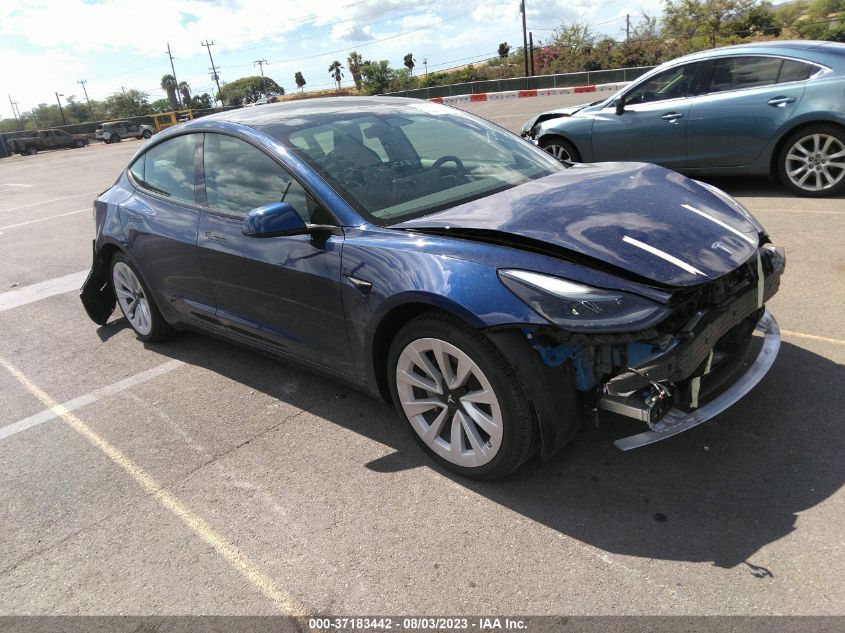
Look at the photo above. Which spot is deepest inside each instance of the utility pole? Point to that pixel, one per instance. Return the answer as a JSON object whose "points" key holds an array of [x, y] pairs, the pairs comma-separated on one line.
{"points": [[524, 36], [173, 68], [214, 68], [15, 114], [260, 63], [129, 104], [82, 82], [64, 121], [531, 51], [627, 26], [425, 63]]}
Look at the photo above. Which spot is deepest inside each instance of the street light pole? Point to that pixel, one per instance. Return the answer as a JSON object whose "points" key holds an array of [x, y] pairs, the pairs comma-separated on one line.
{"points": [[64, 121]]}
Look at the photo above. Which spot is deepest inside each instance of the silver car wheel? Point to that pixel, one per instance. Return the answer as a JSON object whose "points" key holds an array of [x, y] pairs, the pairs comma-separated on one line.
{"points": [[449, 402], [816, 162], [132, 299], [559, 152]]}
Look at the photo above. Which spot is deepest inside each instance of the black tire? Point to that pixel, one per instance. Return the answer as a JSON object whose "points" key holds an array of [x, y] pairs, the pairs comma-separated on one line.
{"points": [[517, 428], [147, 134], [79, 143], [817, 164], [160, 329], [114, 138], [31, 150], [557, 146]]}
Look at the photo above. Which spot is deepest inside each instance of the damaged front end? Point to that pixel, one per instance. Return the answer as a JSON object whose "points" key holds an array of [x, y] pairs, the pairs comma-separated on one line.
{"points": [[692, 365]]}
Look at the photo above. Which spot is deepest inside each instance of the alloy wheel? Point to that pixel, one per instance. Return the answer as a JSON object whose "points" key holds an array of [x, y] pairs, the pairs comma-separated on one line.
{"points": [[559, 152], [132, 298], [816, 162], [449, 402]]}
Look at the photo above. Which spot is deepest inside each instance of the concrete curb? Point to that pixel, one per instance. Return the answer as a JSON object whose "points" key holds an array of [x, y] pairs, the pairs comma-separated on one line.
{"points": [[521, 94]]}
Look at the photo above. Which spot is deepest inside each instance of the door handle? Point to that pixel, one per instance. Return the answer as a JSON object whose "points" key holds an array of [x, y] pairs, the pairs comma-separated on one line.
{"points": [[671, 117], [780, 102], [214, 237]]}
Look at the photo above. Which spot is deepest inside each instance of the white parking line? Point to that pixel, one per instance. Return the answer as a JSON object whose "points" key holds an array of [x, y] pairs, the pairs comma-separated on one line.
{"points": [[36, 292], [35, 204], [52, 217], [81, 401]]}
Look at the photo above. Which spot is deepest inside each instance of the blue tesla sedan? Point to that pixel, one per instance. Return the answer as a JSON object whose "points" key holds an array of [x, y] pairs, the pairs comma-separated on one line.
{"points": [[433, 259], [769, 108]]}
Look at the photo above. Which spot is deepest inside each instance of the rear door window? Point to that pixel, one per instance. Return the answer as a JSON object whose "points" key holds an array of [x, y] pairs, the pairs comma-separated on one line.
{"points": [[736, 73], [168, 169], [793, 70]]}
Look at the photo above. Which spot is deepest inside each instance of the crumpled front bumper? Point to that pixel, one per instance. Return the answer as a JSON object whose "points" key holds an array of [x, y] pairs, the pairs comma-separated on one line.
{"points": [[677, 421]]}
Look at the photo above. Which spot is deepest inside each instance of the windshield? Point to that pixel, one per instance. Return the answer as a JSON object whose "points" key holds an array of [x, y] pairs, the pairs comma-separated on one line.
{"points": [[403, 163]]}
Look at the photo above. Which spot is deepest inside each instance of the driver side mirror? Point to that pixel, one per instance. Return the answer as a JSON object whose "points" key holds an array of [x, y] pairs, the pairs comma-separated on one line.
{"points": [[273, 220], [620, 105]]}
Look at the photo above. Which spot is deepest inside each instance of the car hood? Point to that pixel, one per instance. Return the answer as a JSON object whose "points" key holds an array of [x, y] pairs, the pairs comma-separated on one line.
{"points": [[553, 114], [637, 220]]}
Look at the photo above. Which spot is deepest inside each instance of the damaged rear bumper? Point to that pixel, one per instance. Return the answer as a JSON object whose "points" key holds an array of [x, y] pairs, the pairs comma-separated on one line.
{"points": [[677, 420]]}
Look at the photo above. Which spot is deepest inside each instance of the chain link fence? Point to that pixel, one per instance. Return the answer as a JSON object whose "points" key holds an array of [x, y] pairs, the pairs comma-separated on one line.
{"points": [[538, 82]]}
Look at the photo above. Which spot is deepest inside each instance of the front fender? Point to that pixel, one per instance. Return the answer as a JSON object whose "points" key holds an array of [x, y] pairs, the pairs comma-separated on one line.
{"points": [[576, 129]]}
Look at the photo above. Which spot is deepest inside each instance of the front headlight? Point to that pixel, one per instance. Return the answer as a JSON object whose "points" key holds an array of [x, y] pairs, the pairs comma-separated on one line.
{"points": [[582, 308]]}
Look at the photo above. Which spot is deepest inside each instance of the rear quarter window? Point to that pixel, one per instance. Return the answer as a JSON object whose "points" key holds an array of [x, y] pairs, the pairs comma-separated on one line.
{"points": [[793, 70], [168, 169]]}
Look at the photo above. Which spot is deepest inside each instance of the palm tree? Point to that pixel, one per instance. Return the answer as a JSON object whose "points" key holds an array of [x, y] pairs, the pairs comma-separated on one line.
{"points": [[354, 63], [334, 70], [410, 62], [185, 91], [168, 84]]}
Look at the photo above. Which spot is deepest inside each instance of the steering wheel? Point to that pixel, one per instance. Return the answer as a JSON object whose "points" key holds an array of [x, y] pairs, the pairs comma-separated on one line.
{"points": [[449, 159]]}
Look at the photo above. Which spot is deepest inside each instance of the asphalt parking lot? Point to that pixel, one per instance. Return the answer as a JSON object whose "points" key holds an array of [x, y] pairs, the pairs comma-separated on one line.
{"points": [[194, 477]]}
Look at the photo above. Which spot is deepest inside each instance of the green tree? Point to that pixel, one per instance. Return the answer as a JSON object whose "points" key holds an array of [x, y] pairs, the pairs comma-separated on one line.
{"points": [[247, 90], [354, 62], [376, 77], [688, 18], [160, 105], [299, 79], [409, 62], [504, 50], [169, 85], [201, 102], [334, 71]]}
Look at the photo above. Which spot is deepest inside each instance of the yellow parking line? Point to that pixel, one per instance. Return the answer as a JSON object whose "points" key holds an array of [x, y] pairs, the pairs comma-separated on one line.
{"points": [[199, 526], [814, 337]]}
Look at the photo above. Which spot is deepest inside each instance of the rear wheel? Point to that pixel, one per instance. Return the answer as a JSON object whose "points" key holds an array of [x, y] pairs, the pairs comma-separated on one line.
{"points": [[136, 302], [561, 149], [114, 138], [31, 150], [147, 134], [79, 143], [460, 397], [812, 161]]}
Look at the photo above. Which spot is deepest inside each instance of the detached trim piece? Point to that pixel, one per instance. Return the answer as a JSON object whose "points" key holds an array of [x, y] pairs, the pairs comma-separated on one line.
{"points": [[677, 421]]}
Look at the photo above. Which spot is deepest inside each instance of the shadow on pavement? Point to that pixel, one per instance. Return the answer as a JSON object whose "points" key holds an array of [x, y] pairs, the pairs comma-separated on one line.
{"points": [[716, 494]]}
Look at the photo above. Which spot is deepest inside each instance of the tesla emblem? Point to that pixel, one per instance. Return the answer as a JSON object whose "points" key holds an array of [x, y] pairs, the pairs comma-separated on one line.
{"points": [[721, 246]]}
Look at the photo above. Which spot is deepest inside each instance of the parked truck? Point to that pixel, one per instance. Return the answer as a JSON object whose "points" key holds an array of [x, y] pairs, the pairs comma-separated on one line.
{"points": [[51, 138]]}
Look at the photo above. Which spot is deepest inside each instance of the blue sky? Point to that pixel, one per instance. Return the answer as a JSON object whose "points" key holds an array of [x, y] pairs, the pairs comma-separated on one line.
{"points": [[46, 46]]}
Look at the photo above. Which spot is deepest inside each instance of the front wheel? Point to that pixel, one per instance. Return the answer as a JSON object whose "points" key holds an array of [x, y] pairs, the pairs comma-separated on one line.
{"points": [[79, 143], [460, 397], [147, 134], [561, 149], [812, 161], [114, 138], [136, 302]]}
